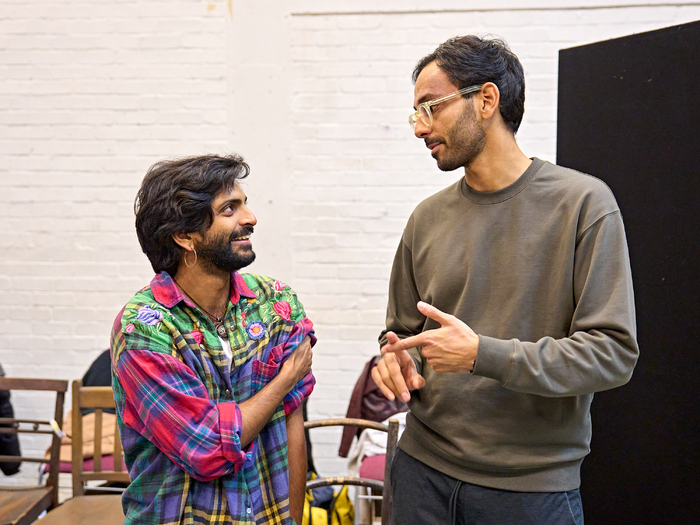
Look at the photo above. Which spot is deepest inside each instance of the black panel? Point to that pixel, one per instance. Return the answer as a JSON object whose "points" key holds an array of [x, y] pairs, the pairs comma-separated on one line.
{"points": [[629, 113]]}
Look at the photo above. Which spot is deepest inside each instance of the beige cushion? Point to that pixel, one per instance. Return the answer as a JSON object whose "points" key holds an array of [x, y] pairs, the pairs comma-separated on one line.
{"points": [[109, 423]]}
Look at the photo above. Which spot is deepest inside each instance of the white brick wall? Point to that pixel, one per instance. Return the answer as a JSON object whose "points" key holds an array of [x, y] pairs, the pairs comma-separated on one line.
{"points": [[91, 94], [314, 94]]}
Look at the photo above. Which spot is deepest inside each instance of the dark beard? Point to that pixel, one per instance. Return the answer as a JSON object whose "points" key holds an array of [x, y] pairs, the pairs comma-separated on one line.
{"points": [[467, 142], [218, 254]]}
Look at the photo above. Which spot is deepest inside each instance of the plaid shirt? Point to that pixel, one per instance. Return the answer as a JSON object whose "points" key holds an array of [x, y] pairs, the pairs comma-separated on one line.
{"points": [[177, 403]]}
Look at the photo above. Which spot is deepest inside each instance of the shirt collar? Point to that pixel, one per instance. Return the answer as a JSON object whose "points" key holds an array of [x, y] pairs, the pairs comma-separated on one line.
{"points": [[167, 293], [240, 288]]}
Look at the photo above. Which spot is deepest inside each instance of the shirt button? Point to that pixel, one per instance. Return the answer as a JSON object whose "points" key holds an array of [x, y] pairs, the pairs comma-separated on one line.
{"points": [[249, 510], [228, 393]]}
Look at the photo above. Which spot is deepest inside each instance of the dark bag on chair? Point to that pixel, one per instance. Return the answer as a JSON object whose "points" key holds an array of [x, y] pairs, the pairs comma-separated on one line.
{"points": [[9, 444]]}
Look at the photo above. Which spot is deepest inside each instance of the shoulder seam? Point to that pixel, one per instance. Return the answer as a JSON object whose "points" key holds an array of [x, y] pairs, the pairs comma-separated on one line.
{"points": [[598, 221]]}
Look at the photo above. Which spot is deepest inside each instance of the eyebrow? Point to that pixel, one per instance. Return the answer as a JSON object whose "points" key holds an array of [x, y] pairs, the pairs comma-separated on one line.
{"points": [[426, 98], [237, 202]]}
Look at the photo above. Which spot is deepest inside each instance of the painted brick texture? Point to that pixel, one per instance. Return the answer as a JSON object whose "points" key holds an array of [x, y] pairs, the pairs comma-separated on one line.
{"points": [[317, 98]]}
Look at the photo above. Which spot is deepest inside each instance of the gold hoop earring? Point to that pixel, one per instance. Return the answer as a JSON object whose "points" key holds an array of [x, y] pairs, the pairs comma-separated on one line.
{"points": [[184, 258]]}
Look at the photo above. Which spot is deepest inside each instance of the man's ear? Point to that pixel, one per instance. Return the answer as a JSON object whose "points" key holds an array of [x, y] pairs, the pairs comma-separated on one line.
{"points": [[489, 100], [186, 239]]}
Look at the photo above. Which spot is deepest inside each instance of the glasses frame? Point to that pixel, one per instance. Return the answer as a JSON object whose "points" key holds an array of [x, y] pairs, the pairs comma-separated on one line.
{"points": [[413, 118]]}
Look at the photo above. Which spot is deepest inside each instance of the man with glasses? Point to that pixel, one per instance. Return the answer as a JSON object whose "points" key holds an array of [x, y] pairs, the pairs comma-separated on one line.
{"points": [[510, 305]]}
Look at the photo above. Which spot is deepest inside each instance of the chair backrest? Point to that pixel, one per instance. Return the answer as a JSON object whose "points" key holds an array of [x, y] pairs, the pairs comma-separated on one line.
{"points": [[392, 430], [98, 398], [19, 425]]}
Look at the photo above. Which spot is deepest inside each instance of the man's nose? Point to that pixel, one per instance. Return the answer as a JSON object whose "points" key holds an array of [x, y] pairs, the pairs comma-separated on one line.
{"points": [[420, 130], [248, 217]]}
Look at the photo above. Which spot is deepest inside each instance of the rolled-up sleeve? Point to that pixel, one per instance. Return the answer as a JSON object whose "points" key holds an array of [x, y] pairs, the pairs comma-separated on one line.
{"points": [[167, 403], [301, 329], [301, 391]]}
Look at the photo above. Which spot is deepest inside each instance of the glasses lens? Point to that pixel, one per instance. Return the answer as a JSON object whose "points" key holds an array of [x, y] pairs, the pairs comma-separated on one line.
{"points": [[424, 115]]}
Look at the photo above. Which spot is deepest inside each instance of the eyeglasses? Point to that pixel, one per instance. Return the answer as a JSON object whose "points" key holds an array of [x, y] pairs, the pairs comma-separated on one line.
{"points": [[425, 115]]}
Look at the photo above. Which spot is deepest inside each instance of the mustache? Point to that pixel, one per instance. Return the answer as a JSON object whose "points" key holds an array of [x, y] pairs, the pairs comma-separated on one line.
{"points": [[240, 233]]}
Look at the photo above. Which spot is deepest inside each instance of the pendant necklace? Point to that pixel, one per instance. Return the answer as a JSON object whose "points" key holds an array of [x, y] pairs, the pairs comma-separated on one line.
{"points": [[218, 321]]}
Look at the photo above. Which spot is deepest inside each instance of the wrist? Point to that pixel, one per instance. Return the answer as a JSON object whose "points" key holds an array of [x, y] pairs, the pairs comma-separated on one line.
{"points": [[285, 379]]}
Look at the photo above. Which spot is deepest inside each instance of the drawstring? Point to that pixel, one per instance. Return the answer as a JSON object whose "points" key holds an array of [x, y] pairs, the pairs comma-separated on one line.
{"points": [[454, 498]]}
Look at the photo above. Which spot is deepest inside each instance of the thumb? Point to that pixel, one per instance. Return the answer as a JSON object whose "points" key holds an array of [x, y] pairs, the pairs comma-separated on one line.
{"points": [[391, 341], [418, 381], [392, 338], [433, 313]]}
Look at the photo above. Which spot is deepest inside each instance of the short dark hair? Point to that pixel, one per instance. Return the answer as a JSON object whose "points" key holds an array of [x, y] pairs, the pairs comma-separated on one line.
{"points": [[470, 60], [176, 196]]}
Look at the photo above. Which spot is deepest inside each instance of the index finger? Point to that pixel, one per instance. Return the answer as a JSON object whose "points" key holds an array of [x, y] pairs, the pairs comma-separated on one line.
{"points": [[405, 344]]}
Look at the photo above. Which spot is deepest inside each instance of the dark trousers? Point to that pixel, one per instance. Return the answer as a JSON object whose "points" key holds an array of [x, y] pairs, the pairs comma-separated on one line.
{"points": [[424, 496]]}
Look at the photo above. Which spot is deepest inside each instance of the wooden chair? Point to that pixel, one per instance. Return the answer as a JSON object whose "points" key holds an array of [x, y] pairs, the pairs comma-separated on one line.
{"points": [[22, 505], [84, 507], [384, 487]]}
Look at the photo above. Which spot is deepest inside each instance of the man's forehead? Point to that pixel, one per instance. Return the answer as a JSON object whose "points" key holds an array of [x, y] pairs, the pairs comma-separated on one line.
{"points": [[432, 83], [235, 192]]}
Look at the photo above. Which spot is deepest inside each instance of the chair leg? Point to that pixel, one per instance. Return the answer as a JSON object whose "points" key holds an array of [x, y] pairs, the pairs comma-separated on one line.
{"points": [[356, 505]]}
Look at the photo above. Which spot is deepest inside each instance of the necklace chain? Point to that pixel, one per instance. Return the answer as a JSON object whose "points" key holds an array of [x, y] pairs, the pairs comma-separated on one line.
{"points": [[218, 321]]}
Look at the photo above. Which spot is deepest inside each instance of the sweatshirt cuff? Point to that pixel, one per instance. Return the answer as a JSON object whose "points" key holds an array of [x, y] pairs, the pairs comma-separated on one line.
{"points": [[494, 358]]}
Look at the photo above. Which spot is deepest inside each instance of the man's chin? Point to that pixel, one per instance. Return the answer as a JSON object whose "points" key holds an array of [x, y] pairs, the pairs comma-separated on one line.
{"points": [[445, 166], [444, 163], [230, 265], [246, 260]]}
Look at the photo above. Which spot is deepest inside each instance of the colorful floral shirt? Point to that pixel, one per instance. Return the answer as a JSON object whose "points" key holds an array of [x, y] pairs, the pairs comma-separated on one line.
{"points": [[177, 403]]}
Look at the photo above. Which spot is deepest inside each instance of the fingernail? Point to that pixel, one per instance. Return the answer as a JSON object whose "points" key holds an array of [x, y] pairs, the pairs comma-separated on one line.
{"points": [[406, 396]]}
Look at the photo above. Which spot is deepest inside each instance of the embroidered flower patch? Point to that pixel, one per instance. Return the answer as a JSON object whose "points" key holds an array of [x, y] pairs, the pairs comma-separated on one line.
{"points": [[283, 309], [129, 328], [278, 286], [149, 316], [256, 330]]}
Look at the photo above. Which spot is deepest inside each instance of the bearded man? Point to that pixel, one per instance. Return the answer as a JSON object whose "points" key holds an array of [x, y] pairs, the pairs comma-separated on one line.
{"points": [[210, 366], [510, 305]]}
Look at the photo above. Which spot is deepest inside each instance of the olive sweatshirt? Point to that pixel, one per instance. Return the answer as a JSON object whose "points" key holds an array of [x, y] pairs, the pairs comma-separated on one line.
{"points": [[540, 270]]}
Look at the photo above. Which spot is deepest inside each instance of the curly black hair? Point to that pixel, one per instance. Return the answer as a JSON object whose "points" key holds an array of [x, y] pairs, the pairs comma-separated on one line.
{"points": [[176, 196]]}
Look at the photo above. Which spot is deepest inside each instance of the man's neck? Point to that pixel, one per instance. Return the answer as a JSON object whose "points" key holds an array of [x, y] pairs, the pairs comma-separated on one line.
{"points": [[209, 291], [499, 165]]}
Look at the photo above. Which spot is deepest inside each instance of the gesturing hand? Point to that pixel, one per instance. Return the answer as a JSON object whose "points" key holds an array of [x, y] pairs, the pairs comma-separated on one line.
{"points": [[396, 374], [450, 348]]}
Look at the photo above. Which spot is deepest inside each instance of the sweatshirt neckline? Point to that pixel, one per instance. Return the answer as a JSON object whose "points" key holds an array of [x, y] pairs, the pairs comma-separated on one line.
{"points": [[494, 197]]}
